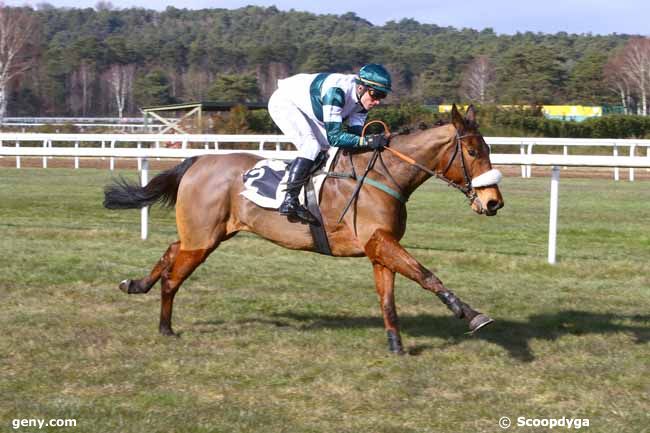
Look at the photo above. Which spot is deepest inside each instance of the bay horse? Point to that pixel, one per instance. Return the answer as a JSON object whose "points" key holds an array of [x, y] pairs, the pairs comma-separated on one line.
{"points": [[209, 210]]}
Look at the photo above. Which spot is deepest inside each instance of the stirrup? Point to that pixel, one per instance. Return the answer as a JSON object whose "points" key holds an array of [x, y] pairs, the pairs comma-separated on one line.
{"points": [[303, 214], [295, 210], [288, 206]]}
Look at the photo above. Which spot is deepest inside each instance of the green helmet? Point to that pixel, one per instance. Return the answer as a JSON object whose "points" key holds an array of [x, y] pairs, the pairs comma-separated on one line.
{"points": [[375, 76]]}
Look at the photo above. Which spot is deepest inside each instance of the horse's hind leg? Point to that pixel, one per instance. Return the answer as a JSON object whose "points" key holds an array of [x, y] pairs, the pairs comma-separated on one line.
{"points": [[186, 261], [145, 284]]}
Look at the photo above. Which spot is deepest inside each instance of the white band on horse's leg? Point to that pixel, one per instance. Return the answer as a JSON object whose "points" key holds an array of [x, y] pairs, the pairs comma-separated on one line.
{"points": [[490, 177]]}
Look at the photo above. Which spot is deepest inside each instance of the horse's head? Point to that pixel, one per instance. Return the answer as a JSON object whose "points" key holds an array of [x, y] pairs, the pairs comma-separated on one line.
{"points": [[466, 163]]}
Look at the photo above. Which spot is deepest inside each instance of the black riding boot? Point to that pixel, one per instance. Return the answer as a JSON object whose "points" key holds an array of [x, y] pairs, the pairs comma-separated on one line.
{"points": [[291, 207]]}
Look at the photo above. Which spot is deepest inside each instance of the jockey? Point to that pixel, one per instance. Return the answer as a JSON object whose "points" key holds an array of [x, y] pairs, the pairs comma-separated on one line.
{"points": [[311, 109]]}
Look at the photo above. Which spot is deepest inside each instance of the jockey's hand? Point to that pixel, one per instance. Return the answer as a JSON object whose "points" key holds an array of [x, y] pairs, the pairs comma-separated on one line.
{"points": [[376, 141]]}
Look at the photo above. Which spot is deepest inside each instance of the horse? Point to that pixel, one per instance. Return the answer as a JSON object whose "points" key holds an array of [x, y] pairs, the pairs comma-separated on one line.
{"points": [[205, 191]]}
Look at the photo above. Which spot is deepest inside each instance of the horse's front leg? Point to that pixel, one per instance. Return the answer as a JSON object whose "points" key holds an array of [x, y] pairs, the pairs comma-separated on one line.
{"points": [[382, 248], [385, 283]]}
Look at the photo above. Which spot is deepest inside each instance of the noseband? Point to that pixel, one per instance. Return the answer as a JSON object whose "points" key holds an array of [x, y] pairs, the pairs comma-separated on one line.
{"points": [[468, 190]]}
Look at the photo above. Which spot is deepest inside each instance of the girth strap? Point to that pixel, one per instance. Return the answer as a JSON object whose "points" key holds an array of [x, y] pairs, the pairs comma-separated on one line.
{"points": [[387, 189], [317, 230]]}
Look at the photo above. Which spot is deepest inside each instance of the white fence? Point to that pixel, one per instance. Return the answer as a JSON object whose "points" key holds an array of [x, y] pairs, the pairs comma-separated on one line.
{"points": [[615, 146], [272, 143], [132, 124], [108, 148], [116, 127], [133, 146]]}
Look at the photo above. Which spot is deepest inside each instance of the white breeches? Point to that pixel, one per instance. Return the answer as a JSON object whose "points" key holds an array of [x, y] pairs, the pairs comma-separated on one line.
{"points": [[308, 136]]}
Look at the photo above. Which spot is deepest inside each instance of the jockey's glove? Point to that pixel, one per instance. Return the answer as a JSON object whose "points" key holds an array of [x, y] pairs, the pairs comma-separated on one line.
{"points": [[376, 141]]}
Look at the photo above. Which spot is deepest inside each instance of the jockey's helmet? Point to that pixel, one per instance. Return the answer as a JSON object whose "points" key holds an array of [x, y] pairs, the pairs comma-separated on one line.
{"points": [[375, 76]]}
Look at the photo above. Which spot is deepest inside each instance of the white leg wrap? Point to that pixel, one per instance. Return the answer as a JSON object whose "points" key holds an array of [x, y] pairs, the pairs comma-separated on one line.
{"points": [[490, 177]]}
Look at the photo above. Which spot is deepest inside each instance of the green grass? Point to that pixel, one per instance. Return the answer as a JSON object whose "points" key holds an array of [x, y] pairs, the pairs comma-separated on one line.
{"points": [[281, 341]]}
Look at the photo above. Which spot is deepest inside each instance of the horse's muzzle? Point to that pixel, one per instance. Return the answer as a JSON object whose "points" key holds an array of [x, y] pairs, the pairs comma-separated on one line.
{"points": [[493, 206], [487, 205]]}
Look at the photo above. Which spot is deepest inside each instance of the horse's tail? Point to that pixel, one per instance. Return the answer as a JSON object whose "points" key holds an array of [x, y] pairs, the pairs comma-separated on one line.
{"points": [[122, 194]]}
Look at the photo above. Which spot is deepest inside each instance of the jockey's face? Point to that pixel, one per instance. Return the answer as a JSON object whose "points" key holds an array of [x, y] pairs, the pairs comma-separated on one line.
{"points": [[369, 98]]}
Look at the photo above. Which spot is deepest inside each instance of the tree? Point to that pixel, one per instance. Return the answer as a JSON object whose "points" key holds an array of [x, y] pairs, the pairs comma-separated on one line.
{"points": [[235, 88], [427, 61], [636, 66], [530, 74], [478, 80], [268, 75], [440, 82], [16, 31], [120, 82], [153, 88], [81, 84], [586, 84], [195, 84], [617, 80]]}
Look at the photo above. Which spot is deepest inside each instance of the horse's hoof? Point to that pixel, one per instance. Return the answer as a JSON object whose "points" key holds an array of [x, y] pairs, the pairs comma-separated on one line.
{"points": [[124, 286], [167, 332], [479, 322], [394, 343]]}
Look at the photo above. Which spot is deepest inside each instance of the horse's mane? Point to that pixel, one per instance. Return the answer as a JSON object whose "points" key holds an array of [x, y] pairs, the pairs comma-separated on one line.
{"points": [[423, 126]]}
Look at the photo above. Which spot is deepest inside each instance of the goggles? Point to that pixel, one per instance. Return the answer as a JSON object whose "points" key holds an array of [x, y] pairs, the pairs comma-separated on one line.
{"points": [[375, 94]]}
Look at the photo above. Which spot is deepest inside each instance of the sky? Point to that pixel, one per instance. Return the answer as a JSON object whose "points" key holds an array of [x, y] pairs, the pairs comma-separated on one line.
{"points": [[503, 16]]}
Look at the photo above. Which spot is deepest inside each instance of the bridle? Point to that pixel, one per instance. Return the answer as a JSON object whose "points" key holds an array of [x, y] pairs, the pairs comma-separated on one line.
{"points": [[466, 189]]}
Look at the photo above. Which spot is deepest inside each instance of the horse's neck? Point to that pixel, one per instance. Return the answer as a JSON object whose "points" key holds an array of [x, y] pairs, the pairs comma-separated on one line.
{"points": [[424, 147]]}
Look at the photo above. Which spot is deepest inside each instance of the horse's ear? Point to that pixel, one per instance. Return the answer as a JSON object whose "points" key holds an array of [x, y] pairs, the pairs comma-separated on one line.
{"points": [[471, 114], [457, 118]]}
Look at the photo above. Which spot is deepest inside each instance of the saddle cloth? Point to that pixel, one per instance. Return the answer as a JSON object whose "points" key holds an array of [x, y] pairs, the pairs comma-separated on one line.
{"points": [[265, 184]]}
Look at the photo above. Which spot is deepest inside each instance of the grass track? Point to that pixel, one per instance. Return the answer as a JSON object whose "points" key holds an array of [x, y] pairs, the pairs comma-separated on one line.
{"points": [[294, 342]]}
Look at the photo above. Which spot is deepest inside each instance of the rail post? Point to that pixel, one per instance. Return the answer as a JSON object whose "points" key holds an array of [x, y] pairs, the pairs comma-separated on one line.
{"points": [[45, 157], [139, 146], [144, 212], [112, 159], [632, 153], [552, 223], [616, 170], [529, 168]]}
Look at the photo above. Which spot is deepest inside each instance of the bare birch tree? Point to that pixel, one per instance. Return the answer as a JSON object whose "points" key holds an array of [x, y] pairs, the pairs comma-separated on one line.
{"points": [[636, 66], [618, 81], [16, 30], [477, 80], [81, 83], [195, 84], [120, 81]]}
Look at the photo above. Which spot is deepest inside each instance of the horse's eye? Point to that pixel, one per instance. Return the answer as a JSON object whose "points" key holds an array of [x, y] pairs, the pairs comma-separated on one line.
{"points": [[472, 152]]}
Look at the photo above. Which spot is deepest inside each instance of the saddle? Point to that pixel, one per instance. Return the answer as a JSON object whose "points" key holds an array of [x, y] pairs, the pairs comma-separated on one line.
{"points": [[266, 182]]}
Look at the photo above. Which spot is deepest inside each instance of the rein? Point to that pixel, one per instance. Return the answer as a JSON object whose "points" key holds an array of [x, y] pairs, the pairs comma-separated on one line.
{"points": [[469, 192], [467, 189]]}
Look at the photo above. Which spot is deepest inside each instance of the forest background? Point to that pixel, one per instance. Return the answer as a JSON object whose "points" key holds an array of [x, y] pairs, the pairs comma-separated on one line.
{"points": [[104, 61]]}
